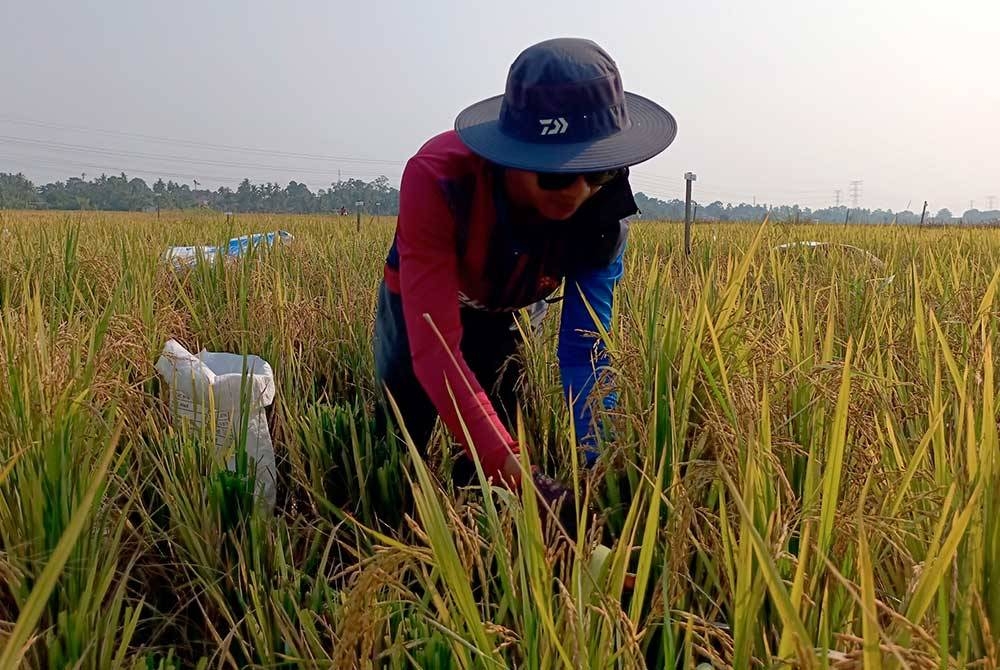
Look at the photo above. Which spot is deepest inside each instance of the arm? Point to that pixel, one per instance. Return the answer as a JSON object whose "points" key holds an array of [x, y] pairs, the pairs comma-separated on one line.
{"points": [[429, 287], [582, 355]]}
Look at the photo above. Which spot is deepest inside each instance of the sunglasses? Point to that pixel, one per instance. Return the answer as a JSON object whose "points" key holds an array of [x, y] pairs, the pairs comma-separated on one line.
{"points": [[557, 181]]}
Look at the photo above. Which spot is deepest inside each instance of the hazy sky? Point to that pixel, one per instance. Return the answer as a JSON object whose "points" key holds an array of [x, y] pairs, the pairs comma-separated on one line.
{"points": [[779, 100]]}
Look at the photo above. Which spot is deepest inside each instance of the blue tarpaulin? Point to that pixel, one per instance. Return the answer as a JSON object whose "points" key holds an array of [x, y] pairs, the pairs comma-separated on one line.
{"points": [[237, 246]]}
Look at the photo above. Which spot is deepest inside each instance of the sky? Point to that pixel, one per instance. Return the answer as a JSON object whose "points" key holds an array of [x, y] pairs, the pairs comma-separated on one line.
{"points": [[777, 101]]}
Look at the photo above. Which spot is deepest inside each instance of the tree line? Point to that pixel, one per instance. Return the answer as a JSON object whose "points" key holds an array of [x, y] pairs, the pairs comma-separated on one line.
{"points": [[121, 193], [653, 208]]}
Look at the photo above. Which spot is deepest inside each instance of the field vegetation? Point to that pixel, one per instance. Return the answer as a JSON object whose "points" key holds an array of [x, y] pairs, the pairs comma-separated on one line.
{"points": [[804, 470]]}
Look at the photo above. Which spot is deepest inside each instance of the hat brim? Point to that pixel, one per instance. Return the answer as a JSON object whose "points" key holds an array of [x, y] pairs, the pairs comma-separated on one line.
{"points": [[652, 130]]}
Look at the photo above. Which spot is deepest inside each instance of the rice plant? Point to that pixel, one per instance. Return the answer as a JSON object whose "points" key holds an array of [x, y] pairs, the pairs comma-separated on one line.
{"points": [[802, 470]]}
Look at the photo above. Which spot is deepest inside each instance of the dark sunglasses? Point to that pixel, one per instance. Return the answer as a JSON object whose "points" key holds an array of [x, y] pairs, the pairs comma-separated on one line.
{"points": [[557, 181]]}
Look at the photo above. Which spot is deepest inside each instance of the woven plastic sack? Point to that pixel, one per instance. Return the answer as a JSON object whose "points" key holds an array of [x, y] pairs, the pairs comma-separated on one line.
{"points": [[213, 385]]}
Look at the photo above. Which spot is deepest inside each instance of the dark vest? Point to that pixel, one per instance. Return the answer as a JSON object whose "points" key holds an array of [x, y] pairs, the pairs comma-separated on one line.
{"points": [[526, 261]]}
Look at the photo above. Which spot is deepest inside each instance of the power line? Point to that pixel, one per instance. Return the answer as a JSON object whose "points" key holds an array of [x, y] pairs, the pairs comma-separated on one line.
{"points": [[856, 192], [661, 182], [196, 144], [66, 164], [666, 186], [672, 184], [30, 162], [92, 150], [61, 163]]}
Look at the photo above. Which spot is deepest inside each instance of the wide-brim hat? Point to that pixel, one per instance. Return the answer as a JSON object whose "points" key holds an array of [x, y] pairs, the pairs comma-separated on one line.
{"points": [[564, 109]]}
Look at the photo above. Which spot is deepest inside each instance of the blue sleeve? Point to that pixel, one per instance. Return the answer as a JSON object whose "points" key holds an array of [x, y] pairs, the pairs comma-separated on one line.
{"points": [[582, 354]]}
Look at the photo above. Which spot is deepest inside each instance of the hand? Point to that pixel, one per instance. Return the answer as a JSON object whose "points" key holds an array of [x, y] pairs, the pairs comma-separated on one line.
{"points": [[551, 490], [558, 498], [511, 471]]}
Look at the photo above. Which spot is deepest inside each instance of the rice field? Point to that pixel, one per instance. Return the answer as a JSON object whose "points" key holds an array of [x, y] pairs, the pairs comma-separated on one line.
{"points": [[804, 471]]}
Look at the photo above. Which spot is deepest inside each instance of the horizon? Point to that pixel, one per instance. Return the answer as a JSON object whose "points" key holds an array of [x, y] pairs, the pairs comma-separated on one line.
{"points": [[200, 188]]}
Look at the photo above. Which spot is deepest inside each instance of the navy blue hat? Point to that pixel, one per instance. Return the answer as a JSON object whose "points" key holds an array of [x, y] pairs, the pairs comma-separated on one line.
{"points": [[565, 110]]}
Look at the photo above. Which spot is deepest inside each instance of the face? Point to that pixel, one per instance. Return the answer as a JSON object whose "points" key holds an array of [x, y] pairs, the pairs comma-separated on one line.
{"points": [[556, 204]]}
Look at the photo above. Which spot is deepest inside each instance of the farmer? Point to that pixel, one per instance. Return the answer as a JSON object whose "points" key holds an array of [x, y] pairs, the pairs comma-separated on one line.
{"points": [[530, 188]]}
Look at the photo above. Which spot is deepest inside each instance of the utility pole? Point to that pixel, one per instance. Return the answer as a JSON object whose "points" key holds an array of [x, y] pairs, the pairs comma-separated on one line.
{"points": [[990, 199], [923, 213], [359, 204], [856, 193], [837, 196], [688, 178]]}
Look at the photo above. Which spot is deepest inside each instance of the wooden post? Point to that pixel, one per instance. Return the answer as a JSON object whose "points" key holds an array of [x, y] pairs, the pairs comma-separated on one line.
{"points": [[359, 205], [688, 178]]}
